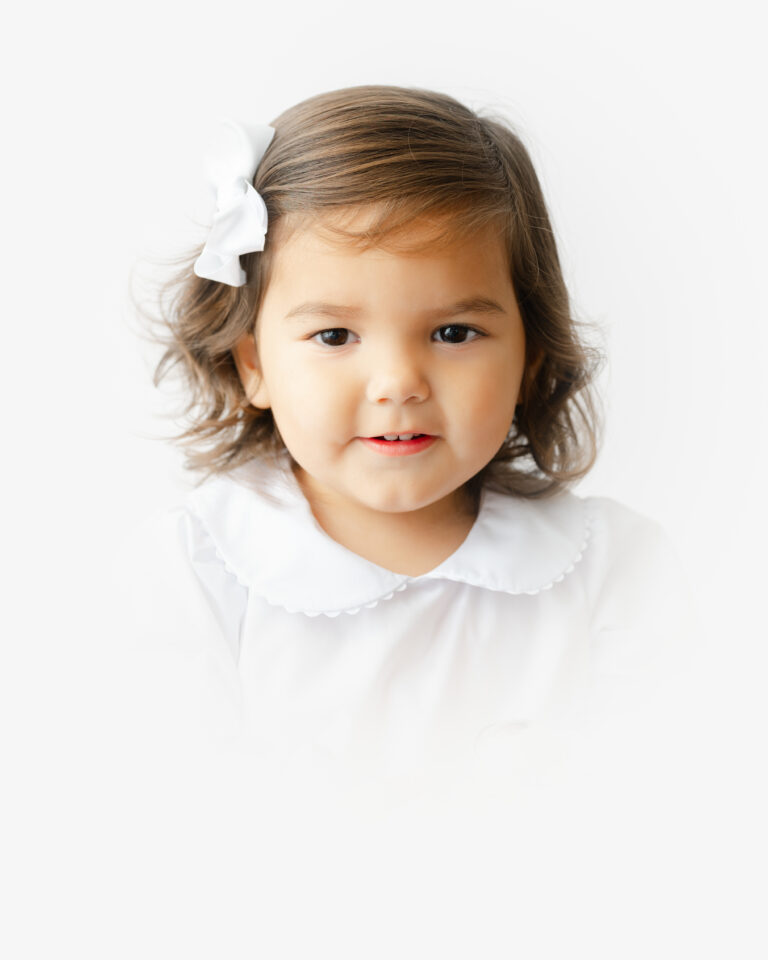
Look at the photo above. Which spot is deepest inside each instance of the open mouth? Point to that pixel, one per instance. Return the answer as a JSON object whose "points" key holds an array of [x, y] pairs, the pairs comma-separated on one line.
{"points": [[399, 444]]}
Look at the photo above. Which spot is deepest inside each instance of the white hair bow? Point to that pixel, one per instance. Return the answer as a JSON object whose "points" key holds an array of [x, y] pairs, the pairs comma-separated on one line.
{"points": [[240, 221]]}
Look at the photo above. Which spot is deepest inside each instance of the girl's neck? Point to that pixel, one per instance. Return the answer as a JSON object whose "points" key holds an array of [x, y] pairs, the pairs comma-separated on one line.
{"points": [[407, 543]]}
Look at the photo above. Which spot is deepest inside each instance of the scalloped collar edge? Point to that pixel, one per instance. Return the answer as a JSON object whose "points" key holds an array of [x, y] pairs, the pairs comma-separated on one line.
{"points": [[264, 533]]}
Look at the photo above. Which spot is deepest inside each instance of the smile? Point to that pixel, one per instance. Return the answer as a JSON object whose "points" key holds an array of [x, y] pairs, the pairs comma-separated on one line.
{"points": [[399, 447]]}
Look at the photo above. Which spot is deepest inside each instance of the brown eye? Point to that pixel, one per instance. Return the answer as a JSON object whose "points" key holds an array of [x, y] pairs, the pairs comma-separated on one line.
{"points": [[457, 333], [337, 337]]}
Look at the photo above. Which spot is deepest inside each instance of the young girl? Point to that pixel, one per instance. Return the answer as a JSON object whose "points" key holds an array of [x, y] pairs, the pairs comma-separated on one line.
{"points": [[388, 401]]}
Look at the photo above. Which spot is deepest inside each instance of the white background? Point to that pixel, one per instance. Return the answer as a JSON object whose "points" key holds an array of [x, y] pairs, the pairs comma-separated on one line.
{"points": [[646, 124]]}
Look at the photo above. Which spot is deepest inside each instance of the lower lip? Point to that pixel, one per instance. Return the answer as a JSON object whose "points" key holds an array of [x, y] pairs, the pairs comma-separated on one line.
{"points": [[398, 448]]}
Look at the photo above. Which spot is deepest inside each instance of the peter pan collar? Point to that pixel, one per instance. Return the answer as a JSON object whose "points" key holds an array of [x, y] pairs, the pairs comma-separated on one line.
{"points": [[265, 534]]}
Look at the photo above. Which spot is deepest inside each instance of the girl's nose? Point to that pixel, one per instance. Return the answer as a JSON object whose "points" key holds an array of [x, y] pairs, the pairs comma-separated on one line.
{"points": [[397, 379]]}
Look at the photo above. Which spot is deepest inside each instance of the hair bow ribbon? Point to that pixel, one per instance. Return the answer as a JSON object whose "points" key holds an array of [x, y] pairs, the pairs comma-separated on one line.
{"points": [[240, 220]]}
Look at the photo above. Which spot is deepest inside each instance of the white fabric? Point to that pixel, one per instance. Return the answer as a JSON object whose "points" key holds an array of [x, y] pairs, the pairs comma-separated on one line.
{"points": [[240, 220], [549, 613]]}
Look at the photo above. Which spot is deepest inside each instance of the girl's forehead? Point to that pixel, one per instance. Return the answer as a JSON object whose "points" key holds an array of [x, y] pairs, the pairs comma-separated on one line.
{"points": [[314, 264], [359, 229]]}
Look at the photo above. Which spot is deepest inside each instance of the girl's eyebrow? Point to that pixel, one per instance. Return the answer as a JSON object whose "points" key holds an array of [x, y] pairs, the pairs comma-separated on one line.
{"points": [[316, 308]]}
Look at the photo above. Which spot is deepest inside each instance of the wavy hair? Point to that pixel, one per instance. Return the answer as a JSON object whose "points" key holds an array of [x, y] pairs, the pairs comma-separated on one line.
{"points": [[405, 154]]}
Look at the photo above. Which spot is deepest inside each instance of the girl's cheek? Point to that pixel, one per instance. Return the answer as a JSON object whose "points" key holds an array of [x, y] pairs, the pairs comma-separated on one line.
{"points": [[488, 412], [307, 390]]}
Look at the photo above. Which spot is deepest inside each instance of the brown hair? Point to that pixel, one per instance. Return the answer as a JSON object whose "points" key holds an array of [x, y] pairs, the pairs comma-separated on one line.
{"points": [[406, 154]]}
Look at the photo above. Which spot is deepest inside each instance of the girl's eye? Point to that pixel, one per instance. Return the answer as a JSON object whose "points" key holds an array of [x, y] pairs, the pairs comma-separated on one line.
{"points": [[451, 333], [458, 333], [336, 337]]}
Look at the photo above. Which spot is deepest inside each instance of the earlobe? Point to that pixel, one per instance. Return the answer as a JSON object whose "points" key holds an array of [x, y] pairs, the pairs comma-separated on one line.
{"points": [[248, 367]]}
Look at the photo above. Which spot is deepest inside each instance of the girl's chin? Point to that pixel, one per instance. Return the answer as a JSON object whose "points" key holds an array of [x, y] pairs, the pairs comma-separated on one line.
{"points": [[402, 502], [391, 494]]}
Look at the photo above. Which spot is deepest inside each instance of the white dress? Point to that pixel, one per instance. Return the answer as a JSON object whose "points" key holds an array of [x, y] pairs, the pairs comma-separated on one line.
{"points": [[549, 614]]}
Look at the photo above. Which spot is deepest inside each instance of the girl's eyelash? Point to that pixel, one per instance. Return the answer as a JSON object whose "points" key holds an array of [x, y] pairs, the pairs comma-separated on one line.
{"points": [[339, 331], [461, 326], [342, 332]]}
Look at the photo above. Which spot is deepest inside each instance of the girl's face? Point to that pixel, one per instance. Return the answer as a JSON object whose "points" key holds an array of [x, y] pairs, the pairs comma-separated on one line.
{"points": [[352, 346]]}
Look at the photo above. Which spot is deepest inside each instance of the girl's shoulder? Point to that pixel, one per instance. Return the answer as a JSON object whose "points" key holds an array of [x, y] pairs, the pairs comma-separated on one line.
{"points": [[545, 540], [186, 542], [631, 556], [169, 580], [626, 577], [623, 539], [175, 614]]}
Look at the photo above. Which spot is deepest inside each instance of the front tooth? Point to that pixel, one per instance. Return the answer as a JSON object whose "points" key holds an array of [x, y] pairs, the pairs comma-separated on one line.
{"points": [[407, 436], [390, 436]]}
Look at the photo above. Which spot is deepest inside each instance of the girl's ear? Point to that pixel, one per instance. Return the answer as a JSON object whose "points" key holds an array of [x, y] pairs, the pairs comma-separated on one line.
{"points": [[247, 363]]}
